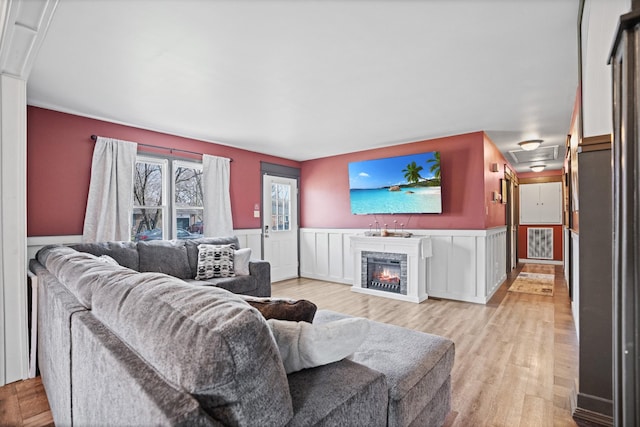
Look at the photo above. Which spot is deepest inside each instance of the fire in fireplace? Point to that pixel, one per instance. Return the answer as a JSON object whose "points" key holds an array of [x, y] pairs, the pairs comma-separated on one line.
{"points": [[383, 274]]}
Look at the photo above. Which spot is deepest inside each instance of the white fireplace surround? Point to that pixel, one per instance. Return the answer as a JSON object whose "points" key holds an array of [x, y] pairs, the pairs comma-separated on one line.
{"points": [[466, 265], [416, 248]]}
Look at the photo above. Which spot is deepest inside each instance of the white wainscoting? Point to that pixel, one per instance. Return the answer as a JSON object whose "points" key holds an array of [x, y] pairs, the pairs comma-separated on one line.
{"points": [[249, 238], [566, 259], [467, 265]]}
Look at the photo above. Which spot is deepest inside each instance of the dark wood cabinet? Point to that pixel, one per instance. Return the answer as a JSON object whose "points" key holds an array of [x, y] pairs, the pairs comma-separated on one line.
{"points": [[625, 66], [595, 391]]}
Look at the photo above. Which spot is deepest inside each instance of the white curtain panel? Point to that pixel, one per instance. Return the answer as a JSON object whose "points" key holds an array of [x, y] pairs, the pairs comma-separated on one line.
{"points": [[108, 215], [217, 199]]}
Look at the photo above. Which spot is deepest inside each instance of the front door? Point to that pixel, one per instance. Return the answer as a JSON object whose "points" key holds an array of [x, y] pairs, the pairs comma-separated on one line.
{"points": [[280, 226]]}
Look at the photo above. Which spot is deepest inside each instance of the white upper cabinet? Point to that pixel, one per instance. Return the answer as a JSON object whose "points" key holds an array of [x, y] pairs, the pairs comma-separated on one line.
{"points": [[541, 203]]}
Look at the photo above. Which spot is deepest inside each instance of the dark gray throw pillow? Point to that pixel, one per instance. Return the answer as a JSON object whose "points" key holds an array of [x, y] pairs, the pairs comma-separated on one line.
{"points": [[165, 256]]}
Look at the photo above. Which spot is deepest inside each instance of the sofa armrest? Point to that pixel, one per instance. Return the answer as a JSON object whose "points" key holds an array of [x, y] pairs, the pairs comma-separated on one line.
{"points": [[261, 270]]}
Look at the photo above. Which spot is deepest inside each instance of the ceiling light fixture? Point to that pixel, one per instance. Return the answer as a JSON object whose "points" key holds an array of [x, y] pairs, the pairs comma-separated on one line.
{"points": [[531, 144], [538, 168]]}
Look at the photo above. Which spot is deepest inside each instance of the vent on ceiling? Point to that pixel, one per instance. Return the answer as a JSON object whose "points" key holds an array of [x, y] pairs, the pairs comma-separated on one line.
{"points": [[541, 154], [540, 243]]}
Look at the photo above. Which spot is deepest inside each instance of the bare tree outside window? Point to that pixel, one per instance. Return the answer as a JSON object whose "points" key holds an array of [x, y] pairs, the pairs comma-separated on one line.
{"points": [[188, 200], [157, 215], [147, 194], [188, 187]]}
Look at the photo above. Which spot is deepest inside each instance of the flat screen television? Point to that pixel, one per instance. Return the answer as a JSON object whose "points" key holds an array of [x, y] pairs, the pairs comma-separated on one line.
{"points": [[396, 185]]}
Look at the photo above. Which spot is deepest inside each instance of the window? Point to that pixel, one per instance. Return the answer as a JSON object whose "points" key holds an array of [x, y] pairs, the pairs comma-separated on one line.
{"points": [[280, 207], [149, 199], [188, 205], [157, 216]]}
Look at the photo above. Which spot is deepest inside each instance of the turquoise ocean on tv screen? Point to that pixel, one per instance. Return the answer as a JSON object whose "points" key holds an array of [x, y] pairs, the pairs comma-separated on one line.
{"points": [[381, 200]]}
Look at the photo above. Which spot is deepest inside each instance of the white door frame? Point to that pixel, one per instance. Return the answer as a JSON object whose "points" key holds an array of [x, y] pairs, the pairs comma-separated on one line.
{"points": [[280, 236], [276, 170]]}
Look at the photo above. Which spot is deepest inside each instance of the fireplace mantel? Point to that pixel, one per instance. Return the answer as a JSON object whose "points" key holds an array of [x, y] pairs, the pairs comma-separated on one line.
{"points": [[417, 249]]}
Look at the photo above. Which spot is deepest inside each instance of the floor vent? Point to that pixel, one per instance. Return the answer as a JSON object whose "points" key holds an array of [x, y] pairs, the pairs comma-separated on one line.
{"points": [[540, 243]]}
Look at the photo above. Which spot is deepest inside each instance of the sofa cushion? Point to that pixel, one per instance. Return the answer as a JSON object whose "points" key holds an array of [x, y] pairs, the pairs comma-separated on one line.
{"points": [[81, 273], [222, 350], [339, 394], [165, 256], [283, 309], [238, 284], [113, 386], [414, 363], [125, 253], [192, 248], [56, 308], [215, 261]]}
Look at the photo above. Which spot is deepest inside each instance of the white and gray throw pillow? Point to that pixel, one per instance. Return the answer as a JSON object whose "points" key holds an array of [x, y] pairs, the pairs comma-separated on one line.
{"points": [[305, 345], [241, 259], [215, 261]]}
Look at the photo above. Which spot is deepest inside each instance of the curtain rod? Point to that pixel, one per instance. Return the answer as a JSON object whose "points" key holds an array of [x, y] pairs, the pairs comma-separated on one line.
{"points": [[171, 150]]}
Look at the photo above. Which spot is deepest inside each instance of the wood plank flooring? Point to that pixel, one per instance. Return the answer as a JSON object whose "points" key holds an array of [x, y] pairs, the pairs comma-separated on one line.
{"points": [[516, 357], [24, 403]]}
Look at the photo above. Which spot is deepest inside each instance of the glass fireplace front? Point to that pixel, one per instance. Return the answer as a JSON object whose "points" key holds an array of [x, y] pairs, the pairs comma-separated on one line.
{"points": [[383, 274]]}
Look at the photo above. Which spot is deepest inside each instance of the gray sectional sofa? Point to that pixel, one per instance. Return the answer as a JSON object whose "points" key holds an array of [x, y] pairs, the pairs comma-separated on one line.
{"points": [[179, 258], [122, 347]]}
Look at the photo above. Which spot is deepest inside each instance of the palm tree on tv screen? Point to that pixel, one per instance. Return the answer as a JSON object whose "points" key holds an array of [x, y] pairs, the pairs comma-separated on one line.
{"points": [[435, 165], [412, 172]]}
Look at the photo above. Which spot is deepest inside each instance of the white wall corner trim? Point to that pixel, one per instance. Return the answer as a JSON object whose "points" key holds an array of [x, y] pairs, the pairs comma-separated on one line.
{"points": [[13, 229], [23, 26]]}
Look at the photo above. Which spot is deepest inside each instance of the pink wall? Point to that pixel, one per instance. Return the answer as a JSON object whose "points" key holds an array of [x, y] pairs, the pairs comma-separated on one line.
{"points": [[59, 161], [59, 151], [496, 211], [464, 161]]}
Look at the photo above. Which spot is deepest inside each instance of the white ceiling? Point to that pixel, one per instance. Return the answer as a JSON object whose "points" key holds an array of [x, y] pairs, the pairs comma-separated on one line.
{"points": [[306, 79]]}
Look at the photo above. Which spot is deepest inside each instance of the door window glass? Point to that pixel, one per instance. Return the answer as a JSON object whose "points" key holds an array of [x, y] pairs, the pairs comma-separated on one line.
{"points": [[280, 207]]}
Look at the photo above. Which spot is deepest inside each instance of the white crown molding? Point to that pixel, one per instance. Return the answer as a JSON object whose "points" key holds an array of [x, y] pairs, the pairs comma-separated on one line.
{"points": [[24, 25]]}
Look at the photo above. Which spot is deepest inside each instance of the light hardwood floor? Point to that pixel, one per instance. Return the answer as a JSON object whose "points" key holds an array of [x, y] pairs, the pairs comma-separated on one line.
{"points": [[516, 357]]}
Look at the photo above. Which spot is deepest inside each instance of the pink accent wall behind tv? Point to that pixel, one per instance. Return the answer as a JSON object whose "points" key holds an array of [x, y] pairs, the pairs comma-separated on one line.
{"points": [[59, 152], [466, 185]]}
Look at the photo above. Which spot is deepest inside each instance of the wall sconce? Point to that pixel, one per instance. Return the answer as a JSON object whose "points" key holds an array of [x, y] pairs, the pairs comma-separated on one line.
{"points": [[531, 144], [538, 168], [494, 167]]}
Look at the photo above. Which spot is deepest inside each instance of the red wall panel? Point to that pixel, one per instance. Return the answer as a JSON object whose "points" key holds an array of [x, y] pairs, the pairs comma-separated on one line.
{"points": [[59, 151], [496, 211], [557, 240], [59, 162]]}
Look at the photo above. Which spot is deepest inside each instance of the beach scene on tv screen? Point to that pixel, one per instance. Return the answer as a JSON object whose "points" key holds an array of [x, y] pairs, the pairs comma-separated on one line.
{"points": [[402, 185]]}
